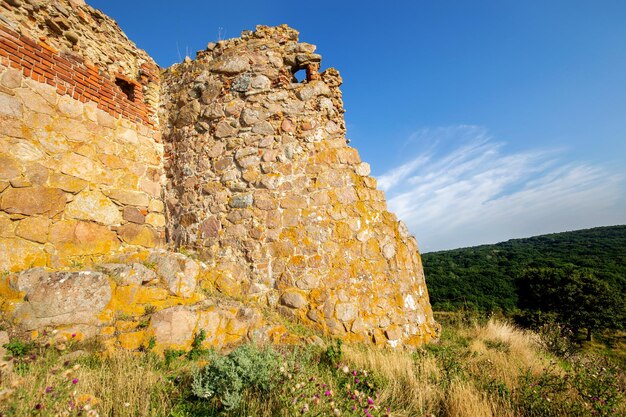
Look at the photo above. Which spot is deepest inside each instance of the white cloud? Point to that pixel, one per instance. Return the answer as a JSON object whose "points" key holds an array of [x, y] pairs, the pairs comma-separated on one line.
{"points": [[464, 189]]}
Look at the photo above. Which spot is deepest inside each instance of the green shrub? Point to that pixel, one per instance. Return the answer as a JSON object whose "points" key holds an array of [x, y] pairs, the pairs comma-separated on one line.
{"points": [[18, 348], [333, 354], [171, 354], [227, 377], [196, 346], [557, 339]]}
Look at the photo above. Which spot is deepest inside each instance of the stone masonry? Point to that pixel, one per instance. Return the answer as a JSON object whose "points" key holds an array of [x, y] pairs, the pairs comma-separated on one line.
{"points": [[104, 158], [80, 152]]}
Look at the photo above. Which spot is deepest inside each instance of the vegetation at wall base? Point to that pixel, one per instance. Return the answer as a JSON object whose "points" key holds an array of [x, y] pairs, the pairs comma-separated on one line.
{"points": [[479, 368]]}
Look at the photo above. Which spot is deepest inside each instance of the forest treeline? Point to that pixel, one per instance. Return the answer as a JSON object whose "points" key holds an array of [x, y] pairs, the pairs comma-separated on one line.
{"points": [[487, 278]]}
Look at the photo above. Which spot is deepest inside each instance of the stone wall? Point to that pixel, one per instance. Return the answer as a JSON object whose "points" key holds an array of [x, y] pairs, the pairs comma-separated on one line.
{"points": [[262, 184], [80, 152], [254, 177]]}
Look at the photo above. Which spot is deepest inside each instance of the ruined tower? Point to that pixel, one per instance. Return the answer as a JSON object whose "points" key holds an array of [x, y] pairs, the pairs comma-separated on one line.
{"points": [[227, 157]]}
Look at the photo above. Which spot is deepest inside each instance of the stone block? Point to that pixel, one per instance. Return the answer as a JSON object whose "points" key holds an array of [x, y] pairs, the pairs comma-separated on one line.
{"points": [[346, 312], [134, 215], [76, 238], [10, 106], [34, 228], [155, 219], [293, 299], [95, 206], [174, 326], [19, 254], [9, 168], [179, 272], [64, 298], [33, 200], [140, 235], [128, 197]]}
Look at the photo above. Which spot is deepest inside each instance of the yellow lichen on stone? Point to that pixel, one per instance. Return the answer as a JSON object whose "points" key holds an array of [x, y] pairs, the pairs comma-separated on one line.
{"points": [[131, 341]]}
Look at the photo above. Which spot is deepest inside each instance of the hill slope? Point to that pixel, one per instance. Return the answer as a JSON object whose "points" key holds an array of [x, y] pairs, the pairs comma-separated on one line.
{"points": [[483, 276]]}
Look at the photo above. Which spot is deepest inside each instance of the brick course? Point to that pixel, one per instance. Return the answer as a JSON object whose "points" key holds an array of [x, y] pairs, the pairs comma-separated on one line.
{"points": [[71, 76]]}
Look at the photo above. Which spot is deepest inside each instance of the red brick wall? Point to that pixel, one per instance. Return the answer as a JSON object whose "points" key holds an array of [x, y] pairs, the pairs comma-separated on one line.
{"points": [[71, 76]]}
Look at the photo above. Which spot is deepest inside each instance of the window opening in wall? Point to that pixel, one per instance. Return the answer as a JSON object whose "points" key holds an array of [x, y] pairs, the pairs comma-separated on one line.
{"points": [[126, 87], [299, 74]]}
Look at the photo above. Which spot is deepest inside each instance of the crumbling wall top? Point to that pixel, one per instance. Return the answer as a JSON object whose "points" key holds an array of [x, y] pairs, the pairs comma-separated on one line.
{"points": [[73, 27]]}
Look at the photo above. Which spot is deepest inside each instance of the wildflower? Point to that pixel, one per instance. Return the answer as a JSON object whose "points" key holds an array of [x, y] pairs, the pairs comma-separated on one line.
{"points": [[75, 381], [38, 406], [305, 409], [354, 373], [73, 335], [336, 412], [370, 401], [345, 369], [327, 393], [48, 390]]}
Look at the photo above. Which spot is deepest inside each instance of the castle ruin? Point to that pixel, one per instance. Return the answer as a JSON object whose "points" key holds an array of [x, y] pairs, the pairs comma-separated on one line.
{"points": [[105, 159]]}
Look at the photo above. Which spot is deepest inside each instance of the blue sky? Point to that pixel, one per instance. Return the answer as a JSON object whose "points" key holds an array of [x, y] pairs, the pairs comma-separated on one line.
{"points": [[483, 120]]}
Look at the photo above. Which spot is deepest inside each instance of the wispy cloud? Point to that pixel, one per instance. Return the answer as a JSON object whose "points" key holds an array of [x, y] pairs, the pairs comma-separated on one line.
{"points": [[463, 188]]}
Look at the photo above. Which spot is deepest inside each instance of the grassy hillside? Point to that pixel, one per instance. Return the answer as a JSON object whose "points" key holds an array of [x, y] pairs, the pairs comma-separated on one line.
{"points": [[483, 277]]}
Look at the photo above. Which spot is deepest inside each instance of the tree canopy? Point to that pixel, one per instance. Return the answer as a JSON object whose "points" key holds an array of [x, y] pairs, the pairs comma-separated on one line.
{"points": [[484, 277], [575, 296]]}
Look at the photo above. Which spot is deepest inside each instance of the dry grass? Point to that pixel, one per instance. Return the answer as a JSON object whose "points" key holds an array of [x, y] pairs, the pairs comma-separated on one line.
{"points": [[463, 400], [410, 386], [504, 351], [418, 385], [122, 385]]}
